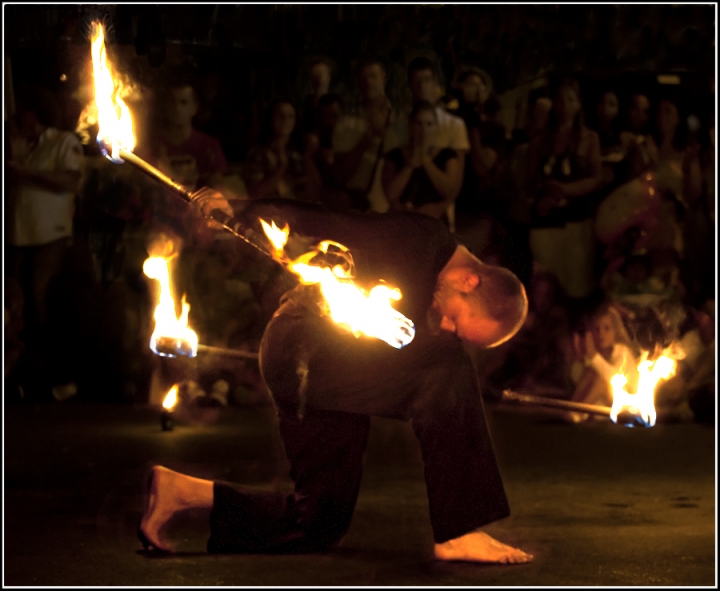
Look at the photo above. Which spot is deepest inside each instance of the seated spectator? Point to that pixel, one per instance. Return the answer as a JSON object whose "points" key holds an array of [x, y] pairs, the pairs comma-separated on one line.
{"points": [[605, 349], [421, 176], [361, 138], [276, 167], [564, 171], [537, 360]]}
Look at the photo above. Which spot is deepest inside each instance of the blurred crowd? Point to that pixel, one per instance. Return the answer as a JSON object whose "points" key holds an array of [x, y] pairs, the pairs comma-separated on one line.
{"points": [[602, 203]]}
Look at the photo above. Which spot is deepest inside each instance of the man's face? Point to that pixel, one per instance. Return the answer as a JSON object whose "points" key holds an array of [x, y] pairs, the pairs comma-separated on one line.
{"points": [[639, 112], [319, 76], [283, 119], [182, 106], [372, 81], [460, 313], [423, 85]]}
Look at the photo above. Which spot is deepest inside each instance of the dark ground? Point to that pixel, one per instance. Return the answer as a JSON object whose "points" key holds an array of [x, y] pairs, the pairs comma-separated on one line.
{"points": [[597, 504]]}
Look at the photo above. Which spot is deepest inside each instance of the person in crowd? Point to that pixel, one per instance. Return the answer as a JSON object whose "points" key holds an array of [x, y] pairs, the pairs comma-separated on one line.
{"points": [[608, 130], [327, 383], [640, 155], [512, 185], [330, 111], [605, 349], [319, 77], [360, 139], [278, 166], [564, 171], [420, 176], [189, 156], [477, 107], [538, 359], [43, 175]]}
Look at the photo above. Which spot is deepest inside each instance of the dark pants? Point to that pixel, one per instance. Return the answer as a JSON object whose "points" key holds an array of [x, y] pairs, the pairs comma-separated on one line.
{"points": [[326, 385]]}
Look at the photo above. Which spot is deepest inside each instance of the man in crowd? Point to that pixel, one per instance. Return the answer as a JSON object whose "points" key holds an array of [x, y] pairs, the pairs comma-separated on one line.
{"points": [[360, 138], [326, 384], [43, 176]]}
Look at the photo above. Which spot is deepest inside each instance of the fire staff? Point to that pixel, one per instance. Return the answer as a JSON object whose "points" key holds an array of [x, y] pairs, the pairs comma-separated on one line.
{"points": [[327, 383]]}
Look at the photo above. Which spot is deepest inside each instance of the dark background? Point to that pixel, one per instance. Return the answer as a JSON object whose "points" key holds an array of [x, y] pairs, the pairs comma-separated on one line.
{"points": [[248, 54]]}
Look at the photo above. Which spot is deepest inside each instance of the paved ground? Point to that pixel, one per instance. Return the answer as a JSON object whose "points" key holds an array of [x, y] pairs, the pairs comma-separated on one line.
{"points": [[598, 505]]}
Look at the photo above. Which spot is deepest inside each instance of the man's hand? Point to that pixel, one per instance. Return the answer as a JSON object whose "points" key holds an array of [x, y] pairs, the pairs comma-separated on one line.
{"points": [[207, 200]]}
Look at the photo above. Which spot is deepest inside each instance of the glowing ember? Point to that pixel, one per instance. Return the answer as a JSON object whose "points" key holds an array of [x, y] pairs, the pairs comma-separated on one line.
{"points": [[642, 403], [370, 313], [171, 398], [168, 327], [107, 109]]}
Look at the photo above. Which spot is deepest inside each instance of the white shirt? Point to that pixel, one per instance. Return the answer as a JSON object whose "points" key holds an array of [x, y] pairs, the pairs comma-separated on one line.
{"points": [[621, 361], [450, 132], [38, 215]]}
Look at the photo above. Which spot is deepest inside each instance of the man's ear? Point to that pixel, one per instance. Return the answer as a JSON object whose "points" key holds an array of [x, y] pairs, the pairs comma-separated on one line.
{"points": [[469, 282]]}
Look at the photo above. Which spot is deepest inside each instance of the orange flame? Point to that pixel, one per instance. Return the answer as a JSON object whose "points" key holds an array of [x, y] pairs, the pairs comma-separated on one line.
{"points": [[348, 305], [107, 109], [642, 402], [167, 324], [171, 398]]}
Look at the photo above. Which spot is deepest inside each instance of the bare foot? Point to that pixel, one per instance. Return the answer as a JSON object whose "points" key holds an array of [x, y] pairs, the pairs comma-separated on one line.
{"points": [[479, 547], [161, 506]]}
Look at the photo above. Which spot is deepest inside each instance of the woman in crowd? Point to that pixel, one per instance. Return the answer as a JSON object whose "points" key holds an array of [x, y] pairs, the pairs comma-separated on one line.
{"points": [[564, 172], [275, 167], [419, 176]]}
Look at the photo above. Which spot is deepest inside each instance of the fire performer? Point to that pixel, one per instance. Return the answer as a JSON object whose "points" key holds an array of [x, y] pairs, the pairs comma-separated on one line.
{"points": [[326, 384]]}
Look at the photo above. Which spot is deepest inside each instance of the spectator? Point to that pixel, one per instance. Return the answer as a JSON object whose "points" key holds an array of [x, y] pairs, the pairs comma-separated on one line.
{"points": [[450, 131], [605, 350], [361, 138], [564, 170], [319, 75], [43, 175], [330, 111], [275, 167], [640, 156], [191, 157], [608, 130], [421, 176], [477, 107]]}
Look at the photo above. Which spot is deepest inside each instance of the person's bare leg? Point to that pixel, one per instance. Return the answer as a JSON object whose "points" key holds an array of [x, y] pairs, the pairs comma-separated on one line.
{"points": [[477, 546], [171, 492]]}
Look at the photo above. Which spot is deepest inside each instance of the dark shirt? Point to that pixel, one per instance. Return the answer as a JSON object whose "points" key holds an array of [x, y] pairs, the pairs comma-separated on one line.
{"points": [[420, 189], [404, 249]]}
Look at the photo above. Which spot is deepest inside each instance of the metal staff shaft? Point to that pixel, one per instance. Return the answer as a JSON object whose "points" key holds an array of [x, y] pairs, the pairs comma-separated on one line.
{"points": [[595, 409], [235, 227], [206, 349]]}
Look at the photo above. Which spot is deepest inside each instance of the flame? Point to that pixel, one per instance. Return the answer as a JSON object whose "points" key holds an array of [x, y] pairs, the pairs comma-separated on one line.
{"points": [[171, 398], [167, 325], [107, 107], [348, 305], [642, 402]]}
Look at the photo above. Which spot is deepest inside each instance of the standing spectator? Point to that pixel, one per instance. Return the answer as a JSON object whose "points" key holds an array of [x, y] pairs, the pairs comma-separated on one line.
{"points": [[320, 75], [43, 175], [477, 107], [634, 139], [330, 110], [421, 176], [361, 138], [608, 130], [275, 167], [564, 171]]}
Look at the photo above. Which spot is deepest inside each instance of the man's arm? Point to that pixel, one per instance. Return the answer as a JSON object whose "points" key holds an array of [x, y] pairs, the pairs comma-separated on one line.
{"points": [[64, 181]]}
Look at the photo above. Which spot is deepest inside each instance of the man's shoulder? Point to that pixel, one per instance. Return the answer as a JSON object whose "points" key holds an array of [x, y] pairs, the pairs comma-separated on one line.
{"points": [[448, 119]]}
